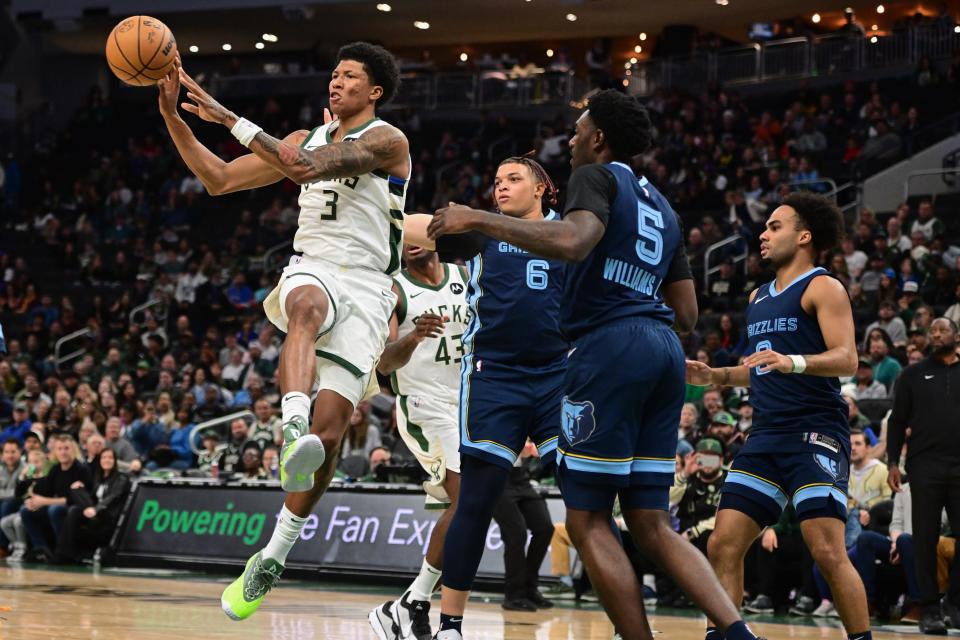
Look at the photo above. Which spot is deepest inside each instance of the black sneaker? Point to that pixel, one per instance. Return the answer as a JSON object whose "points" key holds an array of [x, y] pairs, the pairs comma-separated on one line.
{"points": [[931, 623], [951, 612], [538, 600], [804, 606], [412, 618], [518, 604], [760, 604]]}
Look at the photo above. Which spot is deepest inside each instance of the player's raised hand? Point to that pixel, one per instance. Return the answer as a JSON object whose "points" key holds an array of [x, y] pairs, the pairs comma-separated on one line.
{"points": [[698, 373], [169, 90], [453, 219], [768, 361], [429, 325], [203, 105]]}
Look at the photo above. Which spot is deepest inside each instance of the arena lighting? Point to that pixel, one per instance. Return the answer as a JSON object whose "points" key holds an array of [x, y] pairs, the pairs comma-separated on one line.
{"points": [[816, 18], [637, 49], [259, 45], [227, 46], [463, 57], [643, 35], [956, 29], [572, 17], [269, 37], [626, 65], [722, 3], [549, 53], [420, 24], [633, 61], [873, 40], [383, 6], [873, 27], [880, 8], [194, 48]]}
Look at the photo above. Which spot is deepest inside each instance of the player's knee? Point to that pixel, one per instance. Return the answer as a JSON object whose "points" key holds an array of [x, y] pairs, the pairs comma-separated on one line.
{"points": [[828, 554], [306, 309], [723, 547]]}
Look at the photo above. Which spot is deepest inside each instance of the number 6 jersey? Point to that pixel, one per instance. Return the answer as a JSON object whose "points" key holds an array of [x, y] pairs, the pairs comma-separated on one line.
{"points": [[434, 368], [352, 222]]}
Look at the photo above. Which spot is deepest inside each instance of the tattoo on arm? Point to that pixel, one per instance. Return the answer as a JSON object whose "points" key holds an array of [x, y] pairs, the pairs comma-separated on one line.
{"points": [[568, 239], [337, 160]]}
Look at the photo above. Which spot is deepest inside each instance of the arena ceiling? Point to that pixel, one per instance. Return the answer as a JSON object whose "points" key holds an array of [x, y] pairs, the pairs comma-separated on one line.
{"points": [[79, 26]]}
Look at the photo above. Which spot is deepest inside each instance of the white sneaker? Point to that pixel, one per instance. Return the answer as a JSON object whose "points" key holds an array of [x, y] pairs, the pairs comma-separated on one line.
{"points": [[382, 622], [19, 550], [825, 610], [448, 634]]}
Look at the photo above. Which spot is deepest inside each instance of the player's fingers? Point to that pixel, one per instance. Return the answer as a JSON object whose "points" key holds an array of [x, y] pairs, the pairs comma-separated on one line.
{"points": [[186, 106]]}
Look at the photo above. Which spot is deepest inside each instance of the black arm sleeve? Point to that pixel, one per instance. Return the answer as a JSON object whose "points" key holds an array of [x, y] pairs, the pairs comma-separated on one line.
{"points": [[460, 246], [591, 188], [680, 266]]}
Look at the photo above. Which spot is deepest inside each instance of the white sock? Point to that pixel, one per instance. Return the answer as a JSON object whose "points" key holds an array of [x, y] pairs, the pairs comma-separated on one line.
{"points": [[295, 404], [425, 582], [284, 535]]}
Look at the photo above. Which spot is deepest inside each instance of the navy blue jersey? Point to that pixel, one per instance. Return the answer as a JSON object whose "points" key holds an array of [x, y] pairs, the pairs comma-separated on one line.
{"points": [[789, 403], [514, 297], [622, 276]]}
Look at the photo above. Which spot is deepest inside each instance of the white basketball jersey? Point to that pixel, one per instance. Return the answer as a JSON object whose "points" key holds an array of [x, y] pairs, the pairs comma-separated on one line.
{"points": [[434, 368], [352, 222]]}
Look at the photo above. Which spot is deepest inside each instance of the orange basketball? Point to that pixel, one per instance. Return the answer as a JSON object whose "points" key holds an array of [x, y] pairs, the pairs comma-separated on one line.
{"points": [[141, 50]]}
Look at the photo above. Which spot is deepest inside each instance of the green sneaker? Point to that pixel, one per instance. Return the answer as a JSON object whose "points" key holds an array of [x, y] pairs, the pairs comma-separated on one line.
{"points": [[244, 595], [302, 454]]}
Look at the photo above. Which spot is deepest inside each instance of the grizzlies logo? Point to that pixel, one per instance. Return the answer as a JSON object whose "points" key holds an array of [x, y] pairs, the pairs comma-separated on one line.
{"points": [[828, 464], [578, 420], [456, 287]]}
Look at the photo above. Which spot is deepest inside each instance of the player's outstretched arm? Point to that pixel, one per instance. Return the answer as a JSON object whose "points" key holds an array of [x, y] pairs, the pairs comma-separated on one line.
{"points": [[217, 176], [827, 299], [570, 239], [702, 375]]}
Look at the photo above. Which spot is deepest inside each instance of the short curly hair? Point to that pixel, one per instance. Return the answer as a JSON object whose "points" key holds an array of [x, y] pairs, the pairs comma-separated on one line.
{"points": [[818, 215], [379, 64], [624, 121]]}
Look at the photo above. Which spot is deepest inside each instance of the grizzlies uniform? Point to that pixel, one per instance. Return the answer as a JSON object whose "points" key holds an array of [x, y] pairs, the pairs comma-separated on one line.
{"points": [[513, 367], [428, 386], [799, 447], [624, 385], [348, 243]]}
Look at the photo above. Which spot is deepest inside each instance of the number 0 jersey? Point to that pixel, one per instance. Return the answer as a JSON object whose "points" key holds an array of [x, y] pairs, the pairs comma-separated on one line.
{"points": [[352, 222], [434, 368], [788, 403]]}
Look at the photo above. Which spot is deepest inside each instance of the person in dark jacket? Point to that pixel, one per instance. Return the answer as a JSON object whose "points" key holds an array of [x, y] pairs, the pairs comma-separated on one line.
{"points": [[522, 508], [926, 401], [44, 512], [92, 517]]}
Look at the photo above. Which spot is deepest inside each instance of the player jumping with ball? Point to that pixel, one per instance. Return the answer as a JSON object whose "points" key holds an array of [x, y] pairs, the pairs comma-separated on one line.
{"points": [[334, 300]]}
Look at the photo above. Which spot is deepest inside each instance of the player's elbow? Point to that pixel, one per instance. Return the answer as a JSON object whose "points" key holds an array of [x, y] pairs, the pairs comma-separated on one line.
{"points": [[575, 250], [850, 363]]}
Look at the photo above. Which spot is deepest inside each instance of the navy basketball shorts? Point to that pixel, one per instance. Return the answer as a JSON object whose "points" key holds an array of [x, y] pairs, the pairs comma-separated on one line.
{"points": [[622, 396], [810, 469], [503, 405]]}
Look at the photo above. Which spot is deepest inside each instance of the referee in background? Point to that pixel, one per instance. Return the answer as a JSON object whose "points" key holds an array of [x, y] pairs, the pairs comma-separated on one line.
{"points": [[927, 402]]}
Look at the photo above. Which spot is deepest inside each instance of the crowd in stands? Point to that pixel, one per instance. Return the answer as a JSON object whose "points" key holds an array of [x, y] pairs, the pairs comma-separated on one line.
{"points": [[105, 232]]}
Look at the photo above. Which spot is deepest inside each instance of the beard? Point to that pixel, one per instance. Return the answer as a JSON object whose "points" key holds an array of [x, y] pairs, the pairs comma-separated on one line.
{"points": [[945, 349]]}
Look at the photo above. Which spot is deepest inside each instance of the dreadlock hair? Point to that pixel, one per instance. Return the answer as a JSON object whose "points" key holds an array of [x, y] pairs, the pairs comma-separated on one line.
{"points": [[539, 174], [818, 215], [379, 64], [624, 121]]}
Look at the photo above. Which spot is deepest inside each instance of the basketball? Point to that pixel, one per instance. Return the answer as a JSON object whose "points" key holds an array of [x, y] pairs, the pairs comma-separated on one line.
{"points": [[141, 50]]}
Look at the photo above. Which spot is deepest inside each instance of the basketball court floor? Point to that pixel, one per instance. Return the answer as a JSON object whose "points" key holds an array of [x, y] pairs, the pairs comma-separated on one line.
{"points": [[111, 604]]}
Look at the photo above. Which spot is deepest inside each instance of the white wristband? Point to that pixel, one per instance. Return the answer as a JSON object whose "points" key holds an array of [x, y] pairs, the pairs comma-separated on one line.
{"points": [[245, 131], [799, 364]]}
